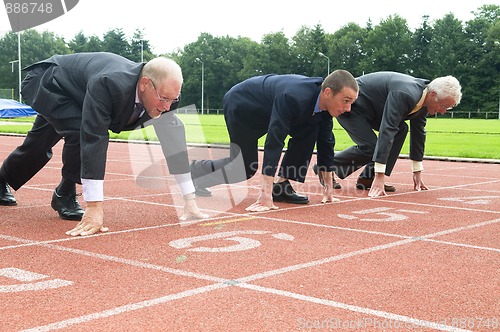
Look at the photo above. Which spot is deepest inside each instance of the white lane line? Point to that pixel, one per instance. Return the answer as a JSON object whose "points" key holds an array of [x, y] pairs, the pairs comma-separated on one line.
{"points": [[443, 206], [241, 283], [326, 260], [21, 275], [463, 245], [134, 263], [35, 286], [125, 308], [369, 250], [28, 276], [409, 322]]}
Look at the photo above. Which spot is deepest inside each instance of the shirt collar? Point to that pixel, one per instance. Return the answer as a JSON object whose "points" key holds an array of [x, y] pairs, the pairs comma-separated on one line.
{"points": [[316, 107], [420, 103], [137, 101]]}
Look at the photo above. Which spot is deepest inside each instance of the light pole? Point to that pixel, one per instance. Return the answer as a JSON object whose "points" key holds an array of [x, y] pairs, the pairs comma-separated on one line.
{"points": [[202, 81], [324, 56], [18, 62], [12, 63], [142, 50]]}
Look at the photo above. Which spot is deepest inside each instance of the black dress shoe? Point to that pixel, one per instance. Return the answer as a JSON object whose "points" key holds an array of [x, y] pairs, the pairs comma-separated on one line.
{"points": [[335, 184], [203, 192], [283, 192], [365, 184], [198, 191], [67, 206], [6, 196]]}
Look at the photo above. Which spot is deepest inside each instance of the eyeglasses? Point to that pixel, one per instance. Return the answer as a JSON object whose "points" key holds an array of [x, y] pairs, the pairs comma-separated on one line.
{"points": [[163, 100], [443, 105]]}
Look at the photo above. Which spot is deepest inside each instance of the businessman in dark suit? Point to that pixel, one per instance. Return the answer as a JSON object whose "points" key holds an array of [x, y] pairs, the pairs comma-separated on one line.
{"points": [[80, 97], [386, 101], [279, 105]]}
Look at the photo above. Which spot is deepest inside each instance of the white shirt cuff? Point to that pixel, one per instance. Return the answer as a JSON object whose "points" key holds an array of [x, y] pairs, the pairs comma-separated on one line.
{"points": [[185, 183], [379, 168], [417, 166], [93, 190]]}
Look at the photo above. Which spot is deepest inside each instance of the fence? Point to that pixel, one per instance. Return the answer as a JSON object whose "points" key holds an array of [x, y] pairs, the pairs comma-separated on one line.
{"points": [[206, 111], [469, 115], [7, 94], [449, 114]]}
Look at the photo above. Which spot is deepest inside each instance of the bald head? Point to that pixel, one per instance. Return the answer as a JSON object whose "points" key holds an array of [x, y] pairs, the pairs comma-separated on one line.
{"points": [[162, 69]]}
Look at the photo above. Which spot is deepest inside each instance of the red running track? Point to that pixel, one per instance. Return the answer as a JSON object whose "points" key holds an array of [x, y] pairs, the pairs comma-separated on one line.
{"points": [[420, 261]]}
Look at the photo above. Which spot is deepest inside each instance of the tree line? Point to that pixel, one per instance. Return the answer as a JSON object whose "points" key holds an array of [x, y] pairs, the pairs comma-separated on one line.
{"points": [[468, 50]]}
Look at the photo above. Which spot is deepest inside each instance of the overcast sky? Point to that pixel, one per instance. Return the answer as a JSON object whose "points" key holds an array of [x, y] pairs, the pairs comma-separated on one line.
{"points": [[169, 25]]}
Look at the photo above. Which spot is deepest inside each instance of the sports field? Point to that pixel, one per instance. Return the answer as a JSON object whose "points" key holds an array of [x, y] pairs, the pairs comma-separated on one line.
{"points": [[409, 261], [461, 138]]}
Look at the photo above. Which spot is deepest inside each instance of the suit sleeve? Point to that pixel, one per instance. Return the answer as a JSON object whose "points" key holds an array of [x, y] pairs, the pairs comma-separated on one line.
{"points": [[396, 106], [417, 137], [325, 143], [94, 134], [283, 109]]}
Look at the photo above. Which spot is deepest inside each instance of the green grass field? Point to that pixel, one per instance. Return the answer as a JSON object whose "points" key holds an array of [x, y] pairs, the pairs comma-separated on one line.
{"points": [[462, 138]]}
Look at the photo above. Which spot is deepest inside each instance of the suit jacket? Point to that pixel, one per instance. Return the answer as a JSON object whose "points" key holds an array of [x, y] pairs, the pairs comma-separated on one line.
{"points": [[386, 99], [279, 105], [103, 86]]}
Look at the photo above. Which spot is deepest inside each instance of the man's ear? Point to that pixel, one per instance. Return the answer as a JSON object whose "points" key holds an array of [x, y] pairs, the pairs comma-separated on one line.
{"points": [[143, 81]]}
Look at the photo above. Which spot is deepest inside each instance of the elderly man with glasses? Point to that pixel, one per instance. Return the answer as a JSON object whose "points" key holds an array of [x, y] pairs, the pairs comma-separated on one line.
{"points": [[80, 98]]}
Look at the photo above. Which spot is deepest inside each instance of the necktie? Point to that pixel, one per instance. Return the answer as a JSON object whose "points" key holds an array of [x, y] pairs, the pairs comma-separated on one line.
{"points": [[138, 108]]}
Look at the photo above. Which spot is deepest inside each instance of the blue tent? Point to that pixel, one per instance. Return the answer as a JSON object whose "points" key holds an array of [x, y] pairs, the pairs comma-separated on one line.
{"points": [[12, 109]]}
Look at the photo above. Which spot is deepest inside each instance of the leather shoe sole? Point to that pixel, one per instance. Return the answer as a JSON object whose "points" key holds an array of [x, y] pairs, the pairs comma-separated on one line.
{"points": [[365, 184], [290, 199], [4, 202], [335, 184], [198, 191], [67, 207], [203, 192]]}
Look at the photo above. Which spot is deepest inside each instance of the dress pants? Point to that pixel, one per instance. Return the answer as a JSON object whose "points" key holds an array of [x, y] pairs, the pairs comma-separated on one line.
{"points": [[361, 130], [243, 163], [59, 117], [36, 151]]}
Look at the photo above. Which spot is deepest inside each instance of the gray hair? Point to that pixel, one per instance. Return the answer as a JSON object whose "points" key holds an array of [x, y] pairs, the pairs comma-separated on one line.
{"points": [[446, 86]]}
